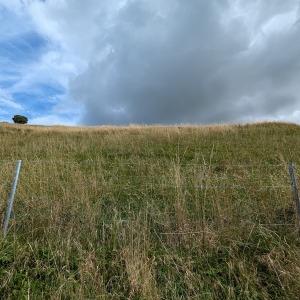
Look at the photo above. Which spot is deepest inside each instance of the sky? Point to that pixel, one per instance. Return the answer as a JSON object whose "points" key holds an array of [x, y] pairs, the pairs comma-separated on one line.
{"points": [[120, 62]]}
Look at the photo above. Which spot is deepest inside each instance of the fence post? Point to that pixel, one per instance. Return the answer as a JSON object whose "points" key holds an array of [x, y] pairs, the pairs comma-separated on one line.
{"points": [[295, 189], [11, 198]]}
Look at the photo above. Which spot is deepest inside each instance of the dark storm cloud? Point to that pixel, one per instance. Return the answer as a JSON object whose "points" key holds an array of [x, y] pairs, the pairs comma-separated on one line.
{"points": [[191, 62]]}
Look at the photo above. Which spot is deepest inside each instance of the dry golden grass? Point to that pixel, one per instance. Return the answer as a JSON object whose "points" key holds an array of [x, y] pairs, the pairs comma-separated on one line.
{"points": [[150, 212]]}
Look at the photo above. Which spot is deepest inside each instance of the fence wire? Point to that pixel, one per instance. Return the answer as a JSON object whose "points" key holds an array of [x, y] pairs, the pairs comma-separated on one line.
{"points": [[45, 187], [39, 176]]}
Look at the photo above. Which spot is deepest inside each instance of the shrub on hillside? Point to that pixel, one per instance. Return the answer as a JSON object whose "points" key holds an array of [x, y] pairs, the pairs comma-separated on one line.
{"points": [[20, 119]]}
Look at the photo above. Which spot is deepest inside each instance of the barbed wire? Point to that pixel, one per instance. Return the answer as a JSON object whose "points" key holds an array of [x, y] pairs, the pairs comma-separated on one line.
{"points": [[151, 184], [154, 162]]}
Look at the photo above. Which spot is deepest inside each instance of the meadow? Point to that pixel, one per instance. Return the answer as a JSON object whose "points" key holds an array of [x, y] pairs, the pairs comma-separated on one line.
{"points": [[150, 212]]}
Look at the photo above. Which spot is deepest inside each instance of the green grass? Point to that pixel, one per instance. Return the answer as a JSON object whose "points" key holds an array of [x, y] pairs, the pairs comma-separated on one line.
{"points": [[150, 212]]}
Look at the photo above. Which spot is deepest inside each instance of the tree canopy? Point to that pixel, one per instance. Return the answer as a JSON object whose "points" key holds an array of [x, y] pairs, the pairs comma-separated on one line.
{"points": [[18, 119]]}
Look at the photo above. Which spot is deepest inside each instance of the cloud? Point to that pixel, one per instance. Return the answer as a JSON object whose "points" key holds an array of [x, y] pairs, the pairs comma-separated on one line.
{"points": [[7, 102], [34, 69], [8, 107], [197, 61], [54, 119], [171, 61]]}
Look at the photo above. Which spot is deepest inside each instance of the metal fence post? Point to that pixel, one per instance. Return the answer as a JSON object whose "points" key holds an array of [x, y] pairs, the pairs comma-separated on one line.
{"points": [[295, 189], [11, 198]]}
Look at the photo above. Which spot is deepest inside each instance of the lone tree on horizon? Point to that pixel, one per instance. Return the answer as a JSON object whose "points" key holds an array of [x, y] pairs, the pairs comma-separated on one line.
{"points": [[18, 119]]}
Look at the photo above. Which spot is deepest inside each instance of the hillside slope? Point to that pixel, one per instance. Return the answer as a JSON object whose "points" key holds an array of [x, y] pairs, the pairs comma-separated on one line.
{"points": [[150, 212]]}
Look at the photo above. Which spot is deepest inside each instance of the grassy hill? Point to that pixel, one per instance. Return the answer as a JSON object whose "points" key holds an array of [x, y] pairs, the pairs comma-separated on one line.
{"points": [[150, 212]]}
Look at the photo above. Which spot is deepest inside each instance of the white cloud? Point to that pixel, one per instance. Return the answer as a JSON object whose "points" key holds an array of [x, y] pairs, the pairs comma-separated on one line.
{"points": [[54, 119], [8, 107], [7, 102], [26, 69], [72, 24]]}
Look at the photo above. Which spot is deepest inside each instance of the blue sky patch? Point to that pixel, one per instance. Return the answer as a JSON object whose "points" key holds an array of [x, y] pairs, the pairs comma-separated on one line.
{"points": [[22, 48]]}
